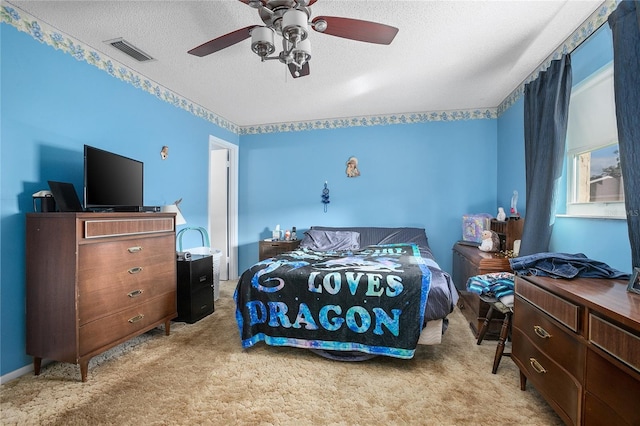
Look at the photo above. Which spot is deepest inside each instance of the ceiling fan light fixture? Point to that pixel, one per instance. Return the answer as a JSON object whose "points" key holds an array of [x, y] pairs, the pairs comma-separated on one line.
{"points": [[262, 41], [294, 25], [302, 53]]}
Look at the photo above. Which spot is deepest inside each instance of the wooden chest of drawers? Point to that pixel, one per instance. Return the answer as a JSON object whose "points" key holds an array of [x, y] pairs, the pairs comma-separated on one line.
{"points": [[578, 342], [95, 280], [467, 262]]}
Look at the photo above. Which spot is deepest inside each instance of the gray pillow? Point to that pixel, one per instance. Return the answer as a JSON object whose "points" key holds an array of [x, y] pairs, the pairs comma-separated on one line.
{"points": [[330, 240]]}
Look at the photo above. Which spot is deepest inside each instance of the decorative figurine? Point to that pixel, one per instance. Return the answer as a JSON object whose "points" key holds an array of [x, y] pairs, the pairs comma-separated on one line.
{"points": [[501, 216], [490, 241], [352, 167], [514, 204]]}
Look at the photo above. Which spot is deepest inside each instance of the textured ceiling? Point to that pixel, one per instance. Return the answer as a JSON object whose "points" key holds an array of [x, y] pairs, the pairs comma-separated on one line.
{"points": [[448, 55]]}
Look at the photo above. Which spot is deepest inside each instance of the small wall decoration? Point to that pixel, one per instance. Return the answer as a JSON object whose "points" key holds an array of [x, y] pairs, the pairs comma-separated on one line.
{"points": [[164, 152], [634, 282], [352, 167], [325, 197]]}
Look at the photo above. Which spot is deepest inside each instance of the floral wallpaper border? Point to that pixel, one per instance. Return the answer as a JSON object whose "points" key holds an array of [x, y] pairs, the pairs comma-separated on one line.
{"points": [[49, 35]]}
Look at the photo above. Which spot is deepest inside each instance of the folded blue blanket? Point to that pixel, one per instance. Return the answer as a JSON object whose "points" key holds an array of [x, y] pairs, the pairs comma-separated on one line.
{"points": [[564, 265], [495, 284]]}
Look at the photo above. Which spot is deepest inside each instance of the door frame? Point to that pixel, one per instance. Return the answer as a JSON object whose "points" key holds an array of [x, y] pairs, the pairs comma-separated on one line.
{"points": [[232, 210]]}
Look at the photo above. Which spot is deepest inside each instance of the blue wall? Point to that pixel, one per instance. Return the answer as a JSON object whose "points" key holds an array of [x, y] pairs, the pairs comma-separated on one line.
{"points": [[52, 105], [606, 240], [423, 175]]}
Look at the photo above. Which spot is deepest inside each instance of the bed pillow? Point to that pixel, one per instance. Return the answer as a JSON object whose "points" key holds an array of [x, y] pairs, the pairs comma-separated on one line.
{"points": [[330, 240]]}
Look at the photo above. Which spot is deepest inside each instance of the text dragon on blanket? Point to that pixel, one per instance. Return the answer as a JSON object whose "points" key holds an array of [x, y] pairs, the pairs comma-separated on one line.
{"points": [[370, 300]]}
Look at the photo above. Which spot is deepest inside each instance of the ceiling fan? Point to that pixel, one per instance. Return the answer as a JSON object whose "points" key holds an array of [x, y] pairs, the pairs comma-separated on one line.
{"points": [[290, 20]]}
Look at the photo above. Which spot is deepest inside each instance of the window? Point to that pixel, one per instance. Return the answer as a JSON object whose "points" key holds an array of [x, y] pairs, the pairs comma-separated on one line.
{"points": [[593, 161]]}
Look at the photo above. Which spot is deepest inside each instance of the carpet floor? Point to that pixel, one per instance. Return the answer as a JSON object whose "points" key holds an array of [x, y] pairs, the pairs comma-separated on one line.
{"points": [[201, 375]]}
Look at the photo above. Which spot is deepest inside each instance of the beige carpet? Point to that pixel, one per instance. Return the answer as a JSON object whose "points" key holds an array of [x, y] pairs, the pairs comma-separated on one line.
{"points": [[201, 375]]}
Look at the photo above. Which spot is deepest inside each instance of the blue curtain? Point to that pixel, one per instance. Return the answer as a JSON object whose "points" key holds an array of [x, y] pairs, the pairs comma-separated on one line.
{"points": [[546, 109], [625, 26]]}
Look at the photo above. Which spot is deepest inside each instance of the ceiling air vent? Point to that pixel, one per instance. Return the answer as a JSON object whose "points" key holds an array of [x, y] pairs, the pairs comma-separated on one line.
{"points": [[129, 49]]}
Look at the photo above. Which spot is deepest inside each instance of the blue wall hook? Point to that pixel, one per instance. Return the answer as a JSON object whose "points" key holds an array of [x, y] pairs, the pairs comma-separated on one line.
{"points": [[325, 196]]}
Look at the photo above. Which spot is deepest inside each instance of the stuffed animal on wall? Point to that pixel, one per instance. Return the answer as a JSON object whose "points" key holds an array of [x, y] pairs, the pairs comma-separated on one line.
{"points": [[490, 241]]}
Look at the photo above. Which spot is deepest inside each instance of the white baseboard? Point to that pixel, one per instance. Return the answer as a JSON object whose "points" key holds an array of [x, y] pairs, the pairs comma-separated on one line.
{"points": [[20, 372]]}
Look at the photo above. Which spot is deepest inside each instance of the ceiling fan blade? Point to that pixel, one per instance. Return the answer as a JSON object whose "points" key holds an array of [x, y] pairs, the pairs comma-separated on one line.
{"points": [[303, 72], [222, 42], [355, 29]]}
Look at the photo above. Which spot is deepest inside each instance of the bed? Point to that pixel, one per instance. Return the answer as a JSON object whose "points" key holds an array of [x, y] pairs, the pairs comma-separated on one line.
{"points": [[348, 293]]}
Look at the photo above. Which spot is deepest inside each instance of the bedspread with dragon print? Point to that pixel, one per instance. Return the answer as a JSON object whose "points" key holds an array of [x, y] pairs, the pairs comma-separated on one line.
{"points": [[371, 300]]}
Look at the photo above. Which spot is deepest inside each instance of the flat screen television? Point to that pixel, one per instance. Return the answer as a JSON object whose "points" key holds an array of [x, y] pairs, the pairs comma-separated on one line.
{"points": [[112, 181]]}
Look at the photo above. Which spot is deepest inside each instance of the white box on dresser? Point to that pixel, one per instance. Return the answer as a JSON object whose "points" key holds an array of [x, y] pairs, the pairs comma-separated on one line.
{"points": [[578, 342], [95, 280]]}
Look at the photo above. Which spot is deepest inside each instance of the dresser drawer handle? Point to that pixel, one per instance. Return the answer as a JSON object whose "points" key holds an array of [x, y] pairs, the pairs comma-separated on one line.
{"points": [[135, 270], [541, 332], [134, 249], [135, 293], [536, 366], [136, 318]]}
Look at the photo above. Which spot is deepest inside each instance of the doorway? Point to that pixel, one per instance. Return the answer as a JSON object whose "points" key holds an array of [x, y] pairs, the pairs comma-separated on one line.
{"points": [[223, 204]]}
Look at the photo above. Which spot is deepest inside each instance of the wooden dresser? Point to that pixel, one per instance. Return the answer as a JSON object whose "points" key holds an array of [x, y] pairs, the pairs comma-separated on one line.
{"points": [[467, 262], [95, 280], [578, 342]]}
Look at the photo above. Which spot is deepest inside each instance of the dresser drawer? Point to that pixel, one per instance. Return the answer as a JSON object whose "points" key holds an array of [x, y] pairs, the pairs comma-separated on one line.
{"points": [[101, 228], [618, 342], [196, 305], [597, 413], [463, 268], [195, 273], [102, 263], [612, 394], [562, 310], [123, 294], [267, 249], [560, 389], [126, 323], [562, 346]]}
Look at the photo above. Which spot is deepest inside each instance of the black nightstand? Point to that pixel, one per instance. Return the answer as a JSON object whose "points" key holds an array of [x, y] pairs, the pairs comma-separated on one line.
{"points": [[195, 288], [269, 249]]}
